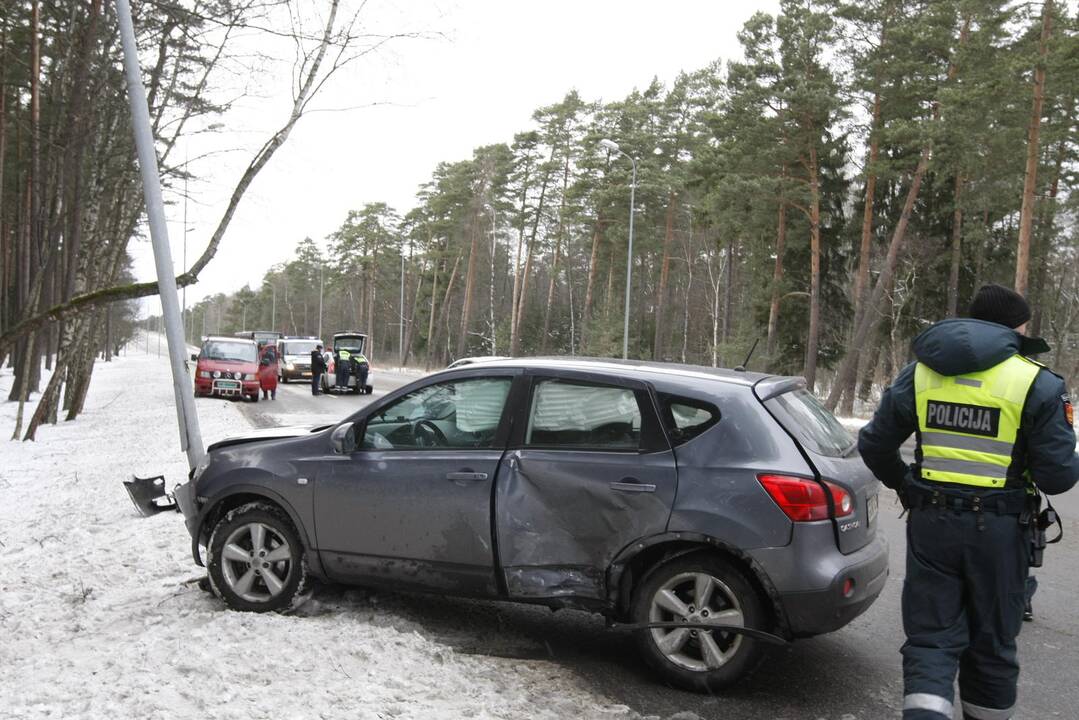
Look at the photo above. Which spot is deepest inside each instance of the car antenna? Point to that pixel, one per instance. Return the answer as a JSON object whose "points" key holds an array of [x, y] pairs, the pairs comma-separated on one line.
{"points": [[742, 367]]}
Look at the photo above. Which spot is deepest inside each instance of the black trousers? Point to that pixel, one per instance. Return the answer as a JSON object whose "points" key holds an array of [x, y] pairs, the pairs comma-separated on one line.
{"points": [[316, 377], [963, 603]]}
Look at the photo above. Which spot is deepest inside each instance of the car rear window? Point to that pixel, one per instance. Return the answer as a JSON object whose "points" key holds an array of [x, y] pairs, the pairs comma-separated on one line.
{"points": [[814, 426], [687, 418]]}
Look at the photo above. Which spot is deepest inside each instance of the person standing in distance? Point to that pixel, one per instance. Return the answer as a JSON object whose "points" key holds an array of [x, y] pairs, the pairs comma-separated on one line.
{"points": [[318, 366], [988, 422]]}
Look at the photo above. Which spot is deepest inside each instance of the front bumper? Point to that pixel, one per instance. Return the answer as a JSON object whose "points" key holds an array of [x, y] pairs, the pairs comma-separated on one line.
{"points": [[298, 371], [184, 494], [810, 581], [222, 387]]}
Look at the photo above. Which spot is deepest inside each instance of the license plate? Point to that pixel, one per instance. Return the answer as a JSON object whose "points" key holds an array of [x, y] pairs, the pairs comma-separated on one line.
{"points": [[228, 384], [871, 510]]}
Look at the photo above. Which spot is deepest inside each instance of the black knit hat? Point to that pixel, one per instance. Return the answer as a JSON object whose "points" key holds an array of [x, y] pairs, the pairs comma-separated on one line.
{"points": [[996, 303]]}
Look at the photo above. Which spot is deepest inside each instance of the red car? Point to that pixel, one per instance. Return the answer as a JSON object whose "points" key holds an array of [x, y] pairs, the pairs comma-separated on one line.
{"points": [[227, 367]]}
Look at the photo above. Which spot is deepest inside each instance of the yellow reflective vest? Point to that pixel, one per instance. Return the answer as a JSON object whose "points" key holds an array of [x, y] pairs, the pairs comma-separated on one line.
{"points": [[968, 424]]}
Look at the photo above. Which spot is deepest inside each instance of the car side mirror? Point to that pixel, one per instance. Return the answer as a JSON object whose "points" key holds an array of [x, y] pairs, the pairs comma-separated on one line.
{"points": [[344, 439], [194, 357]]}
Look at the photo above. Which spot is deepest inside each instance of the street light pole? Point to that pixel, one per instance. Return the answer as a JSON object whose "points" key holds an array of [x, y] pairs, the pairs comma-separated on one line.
{"points": [[401, 312], [186, 414], [613, 146], [183, 303]]}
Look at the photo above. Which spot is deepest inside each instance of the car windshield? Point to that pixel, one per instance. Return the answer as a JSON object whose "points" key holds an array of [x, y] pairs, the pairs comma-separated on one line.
{"points": [[225, 350], [814, 425], [299, 348]]}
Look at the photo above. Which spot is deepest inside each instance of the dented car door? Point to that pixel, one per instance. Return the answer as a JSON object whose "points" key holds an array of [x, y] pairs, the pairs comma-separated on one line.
{"points": [[589, 471]]}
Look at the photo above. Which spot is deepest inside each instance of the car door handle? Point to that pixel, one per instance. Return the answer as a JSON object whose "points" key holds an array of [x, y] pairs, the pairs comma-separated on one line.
{"points": [[637, 487], [466, 476]]}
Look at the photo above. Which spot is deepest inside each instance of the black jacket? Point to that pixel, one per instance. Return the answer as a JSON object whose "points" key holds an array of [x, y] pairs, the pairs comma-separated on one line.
{"points": [[1046, 442], [318, 363]]}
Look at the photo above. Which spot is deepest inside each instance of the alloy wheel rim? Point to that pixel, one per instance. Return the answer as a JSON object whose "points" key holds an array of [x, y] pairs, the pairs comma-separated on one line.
{"points": [[256, 561], [698, 598]]}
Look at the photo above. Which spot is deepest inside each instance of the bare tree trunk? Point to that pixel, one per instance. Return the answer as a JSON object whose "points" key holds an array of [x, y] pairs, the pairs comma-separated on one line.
{"points": [[544, 339], [5, 256], [664, 274], [470, 282], [1044, 236], [870, 316], [814, 272], [586, 309], [442, 313], [431, 319], [410, 327], [777, 281], [957, 247], [728, 292], [1030, 180], [522, 297], [865, 249]]}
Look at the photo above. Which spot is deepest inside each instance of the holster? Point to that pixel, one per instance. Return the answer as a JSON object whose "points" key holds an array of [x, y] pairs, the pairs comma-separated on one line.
{"points": [[1034, 522]]}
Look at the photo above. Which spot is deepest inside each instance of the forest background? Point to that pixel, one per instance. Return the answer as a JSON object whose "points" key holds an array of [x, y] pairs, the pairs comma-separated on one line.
{"points": [[854, 177]]}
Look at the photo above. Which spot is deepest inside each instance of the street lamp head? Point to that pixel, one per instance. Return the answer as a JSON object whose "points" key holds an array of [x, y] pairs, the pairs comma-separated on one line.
{"points": [[609, 144]]}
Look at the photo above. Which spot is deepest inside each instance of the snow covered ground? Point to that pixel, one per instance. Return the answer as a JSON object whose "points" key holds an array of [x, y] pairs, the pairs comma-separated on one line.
{"points": [[100, 616]]}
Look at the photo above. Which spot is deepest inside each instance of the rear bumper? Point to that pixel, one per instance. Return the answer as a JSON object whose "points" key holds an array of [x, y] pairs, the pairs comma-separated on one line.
{"points": [[810, 584]]}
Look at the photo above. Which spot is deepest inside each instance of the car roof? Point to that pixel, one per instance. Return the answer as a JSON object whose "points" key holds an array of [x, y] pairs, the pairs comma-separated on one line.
{"points": [[349, 334], [228, 338], [639, 369]]}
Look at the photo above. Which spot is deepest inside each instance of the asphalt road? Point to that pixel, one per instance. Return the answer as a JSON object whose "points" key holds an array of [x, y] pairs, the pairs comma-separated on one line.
{"points": [[852, 674], [295, 405]]}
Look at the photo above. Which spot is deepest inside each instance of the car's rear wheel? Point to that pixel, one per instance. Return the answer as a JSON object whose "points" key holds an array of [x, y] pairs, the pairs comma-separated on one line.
{"points": [[700, 589], [256, 561]]}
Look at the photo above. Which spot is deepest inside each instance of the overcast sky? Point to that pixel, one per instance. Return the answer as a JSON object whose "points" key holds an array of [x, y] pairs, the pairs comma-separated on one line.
{"points": [[479, 84]]}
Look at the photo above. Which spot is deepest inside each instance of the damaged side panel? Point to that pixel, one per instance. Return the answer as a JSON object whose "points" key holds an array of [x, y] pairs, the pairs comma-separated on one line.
{"points": [[562, 516]]}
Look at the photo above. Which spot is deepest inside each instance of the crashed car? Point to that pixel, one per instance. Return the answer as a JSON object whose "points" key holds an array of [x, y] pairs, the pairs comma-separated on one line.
{"points": [[227, 367], [707, 511], [351, 345]]}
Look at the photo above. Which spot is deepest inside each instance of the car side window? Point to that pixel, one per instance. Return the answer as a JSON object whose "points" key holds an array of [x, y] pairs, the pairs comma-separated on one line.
{"points": [[686, 418], [459, 414], [570, 414]]}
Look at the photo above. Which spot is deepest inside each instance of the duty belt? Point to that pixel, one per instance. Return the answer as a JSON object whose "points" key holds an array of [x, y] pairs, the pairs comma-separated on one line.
{"points": [[923, 498]]}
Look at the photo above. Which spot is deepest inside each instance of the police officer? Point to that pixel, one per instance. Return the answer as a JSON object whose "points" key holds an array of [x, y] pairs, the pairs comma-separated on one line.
{"points": [[318, 366], [988, 421], [342, 366]]}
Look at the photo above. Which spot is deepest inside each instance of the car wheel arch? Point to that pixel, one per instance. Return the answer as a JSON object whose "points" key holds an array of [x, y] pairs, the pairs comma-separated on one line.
{"points": [[633, 564], [236, 496]]}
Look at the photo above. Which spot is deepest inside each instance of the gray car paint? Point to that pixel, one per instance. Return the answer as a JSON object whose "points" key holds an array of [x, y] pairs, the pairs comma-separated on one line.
{"points": [[718, 500], [399, 505]]}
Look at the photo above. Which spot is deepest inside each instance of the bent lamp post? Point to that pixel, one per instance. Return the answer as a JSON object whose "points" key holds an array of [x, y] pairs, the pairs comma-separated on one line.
{"points": [[187, 416]]}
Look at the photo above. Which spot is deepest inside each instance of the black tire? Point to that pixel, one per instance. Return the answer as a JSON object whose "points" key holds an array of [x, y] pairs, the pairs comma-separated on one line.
{"points": [[290, 586], [692, 667]]}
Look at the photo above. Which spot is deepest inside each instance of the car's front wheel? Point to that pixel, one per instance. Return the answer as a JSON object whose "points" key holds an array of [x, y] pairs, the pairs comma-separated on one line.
{"points": [[699, 589], [256, 561]]}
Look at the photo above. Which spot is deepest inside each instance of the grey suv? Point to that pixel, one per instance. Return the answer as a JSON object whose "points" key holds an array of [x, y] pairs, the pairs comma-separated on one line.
{"points": [[658, 495]]}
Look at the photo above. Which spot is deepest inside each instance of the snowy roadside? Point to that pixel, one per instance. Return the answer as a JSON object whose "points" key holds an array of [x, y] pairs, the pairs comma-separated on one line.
{"points": [[100, 616]]}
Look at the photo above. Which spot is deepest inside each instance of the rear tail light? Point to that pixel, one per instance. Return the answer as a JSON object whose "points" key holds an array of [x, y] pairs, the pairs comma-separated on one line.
{"points": [[803, 499]]}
